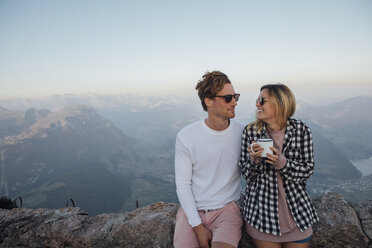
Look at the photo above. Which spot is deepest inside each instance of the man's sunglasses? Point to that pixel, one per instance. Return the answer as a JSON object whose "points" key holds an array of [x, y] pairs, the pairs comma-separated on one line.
{"points": [[261, 100], [228, 98]]}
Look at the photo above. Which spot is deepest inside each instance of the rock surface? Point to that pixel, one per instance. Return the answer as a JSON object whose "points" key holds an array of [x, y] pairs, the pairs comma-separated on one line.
{"points": [[339, 224], [153, 226], [364, 211]]}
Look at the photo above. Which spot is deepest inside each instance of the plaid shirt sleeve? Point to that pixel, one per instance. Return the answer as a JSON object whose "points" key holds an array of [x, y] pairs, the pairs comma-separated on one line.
{"points": [[248, 168], [300, 157]]}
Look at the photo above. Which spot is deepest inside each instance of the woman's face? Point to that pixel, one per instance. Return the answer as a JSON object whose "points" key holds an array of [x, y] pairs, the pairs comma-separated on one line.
{"points": [[266, 112]]}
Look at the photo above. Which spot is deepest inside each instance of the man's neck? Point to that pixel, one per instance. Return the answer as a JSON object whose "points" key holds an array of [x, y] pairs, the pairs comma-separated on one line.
{"points": [[217, 124]]}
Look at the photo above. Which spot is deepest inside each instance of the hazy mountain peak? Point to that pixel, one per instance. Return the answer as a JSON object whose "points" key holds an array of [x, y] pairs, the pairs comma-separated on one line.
{"points": [[75, 110], [7, 113], [31, 115], [351, 110], [35, 122], [301, 106], [2, 109]]}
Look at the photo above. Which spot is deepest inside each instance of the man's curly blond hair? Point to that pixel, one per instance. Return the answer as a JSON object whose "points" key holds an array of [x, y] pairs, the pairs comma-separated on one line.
{"points": [[210, 85]]}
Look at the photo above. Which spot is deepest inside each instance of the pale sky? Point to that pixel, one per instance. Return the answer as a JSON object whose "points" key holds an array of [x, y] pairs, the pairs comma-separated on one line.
{"points": [[320, 48]]}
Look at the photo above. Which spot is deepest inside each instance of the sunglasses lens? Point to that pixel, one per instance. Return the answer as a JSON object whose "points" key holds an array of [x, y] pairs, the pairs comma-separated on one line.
{"points": [[260, 101], [228, 98]]}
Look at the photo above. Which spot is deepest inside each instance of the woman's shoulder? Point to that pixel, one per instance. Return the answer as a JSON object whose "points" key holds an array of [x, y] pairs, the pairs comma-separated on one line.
{"points": [[250, 126], [252, 129], [298, 124]]}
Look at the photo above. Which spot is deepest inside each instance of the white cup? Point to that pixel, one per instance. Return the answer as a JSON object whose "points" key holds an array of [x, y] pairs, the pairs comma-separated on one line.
{"points": [[266, 143]]}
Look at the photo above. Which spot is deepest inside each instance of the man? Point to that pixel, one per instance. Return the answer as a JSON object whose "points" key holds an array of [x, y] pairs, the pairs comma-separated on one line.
{"points": [[207, 172]]}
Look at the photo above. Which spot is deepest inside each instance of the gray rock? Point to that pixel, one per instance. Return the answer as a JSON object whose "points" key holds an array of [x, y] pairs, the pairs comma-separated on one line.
{"points": [[153, 226], [339, 224], [364, 211], [245, 241]]}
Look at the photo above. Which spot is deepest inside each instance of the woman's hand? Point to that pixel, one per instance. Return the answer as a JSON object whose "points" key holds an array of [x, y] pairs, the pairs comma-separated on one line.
{"points": [[272, 158], [257, 151]]}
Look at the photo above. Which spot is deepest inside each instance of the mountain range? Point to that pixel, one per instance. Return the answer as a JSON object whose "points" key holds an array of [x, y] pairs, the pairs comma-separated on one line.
{"points": [[121, 149], [143, 117], [48, 157], [345, 123]]}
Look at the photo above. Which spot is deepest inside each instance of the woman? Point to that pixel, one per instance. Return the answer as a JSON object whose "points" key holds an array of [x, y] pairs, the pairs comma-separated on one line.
{"points": [[277, 209]]}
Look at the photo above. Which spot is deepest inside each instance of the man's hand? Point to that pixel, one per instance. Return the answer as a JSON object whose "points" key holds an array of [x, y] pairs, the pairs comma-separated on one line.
{"points": [[204, 236]]}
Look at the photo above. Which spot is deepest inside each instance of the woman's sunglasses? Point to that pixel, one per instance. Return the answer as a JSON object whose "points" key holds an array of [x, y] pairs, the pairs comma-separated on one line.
{"points": [[261, 100], [228, 98]]}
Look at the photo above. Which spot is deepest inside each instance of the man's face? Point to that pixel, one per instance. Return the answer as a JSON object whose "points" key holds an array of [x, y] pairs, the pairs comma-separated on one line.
{"points": [[219, 107]]}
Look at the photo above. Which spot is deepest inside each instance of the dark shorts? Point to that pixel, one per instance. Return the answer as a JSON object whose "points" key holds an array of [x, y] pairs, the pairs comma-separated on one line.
{"points": [[303, 240]]}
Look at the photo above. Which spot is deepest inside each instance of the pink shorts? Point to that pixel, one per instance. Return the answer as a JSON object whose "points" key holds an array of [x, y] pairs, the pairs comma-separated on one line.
{"points": [[224, 224]]}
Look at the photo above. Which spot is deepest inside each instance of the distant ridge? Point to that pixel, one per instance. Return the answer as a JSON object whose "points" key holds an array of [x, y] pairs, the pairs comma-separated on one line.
{"points": [[347, 124], [76, 153]]}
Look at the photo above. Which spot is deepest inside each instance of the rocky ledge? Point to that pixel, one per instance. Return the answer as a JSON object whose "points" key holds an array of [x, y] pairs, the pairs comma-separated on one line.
{"points": [[340, 225]]}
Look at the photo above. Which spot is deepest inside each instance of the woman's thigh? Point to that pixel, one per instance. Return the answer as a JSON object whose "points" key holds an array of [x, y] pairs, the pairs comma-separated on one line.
{"points": [[265, 244], [296, 245]]}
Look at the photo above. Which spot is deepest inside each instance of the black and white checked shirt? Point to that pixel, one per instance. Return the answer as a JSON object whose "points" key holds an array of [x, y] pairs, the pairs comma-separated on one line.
{"points": [[261, 194]]}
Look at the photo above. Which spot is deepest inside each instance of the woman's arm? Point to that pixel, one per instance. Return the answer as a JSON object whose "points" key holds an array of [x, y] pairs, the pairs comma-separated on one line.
{"points": [[250, 169], [300, 164]]}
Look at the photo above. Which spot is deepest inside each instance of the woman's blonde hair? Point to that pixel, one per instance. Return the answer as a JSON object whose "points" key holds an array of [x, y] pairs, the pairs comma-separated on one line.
{"points": [[283, 101]]}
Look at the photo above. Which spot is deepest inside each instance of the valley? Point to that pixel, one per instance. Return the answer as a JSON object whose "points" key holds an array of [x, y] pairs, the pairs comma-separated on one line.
{"points": [[108, 152]]}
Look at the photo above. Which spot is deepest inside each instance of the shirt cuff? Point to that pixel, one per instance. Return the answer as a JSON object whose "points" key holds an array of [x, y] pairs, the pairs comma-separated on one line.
{"points": [[194, 223], [280, 163]]}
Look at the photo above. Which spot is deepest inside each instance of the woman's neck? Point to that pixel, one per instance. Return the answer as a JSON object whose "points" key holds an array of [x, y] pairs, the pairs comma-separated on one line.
{"points": [[274, 126]]}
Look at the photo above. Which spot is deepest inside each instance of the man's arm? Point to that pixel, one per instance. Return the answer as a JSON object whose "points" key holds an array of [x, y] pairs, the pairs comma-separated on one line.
{"points": [[183, 172]]}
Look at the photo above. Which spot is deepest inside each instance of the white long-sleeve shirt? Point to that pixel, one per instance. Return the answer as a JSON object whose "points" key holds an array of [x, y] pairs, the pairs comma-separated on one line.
{"points": [[206, 167]]}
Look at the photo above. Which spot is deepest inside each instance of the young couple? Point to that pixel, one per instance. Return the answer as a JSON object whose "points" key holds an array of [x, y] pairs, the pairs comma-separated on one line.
{"points": [[213, 153]]}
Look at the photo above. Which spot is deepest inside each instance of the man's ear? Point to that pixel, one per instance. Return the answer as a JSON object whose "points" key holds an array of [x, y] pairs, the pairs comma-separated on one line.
{"points": [[209, 102]]}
